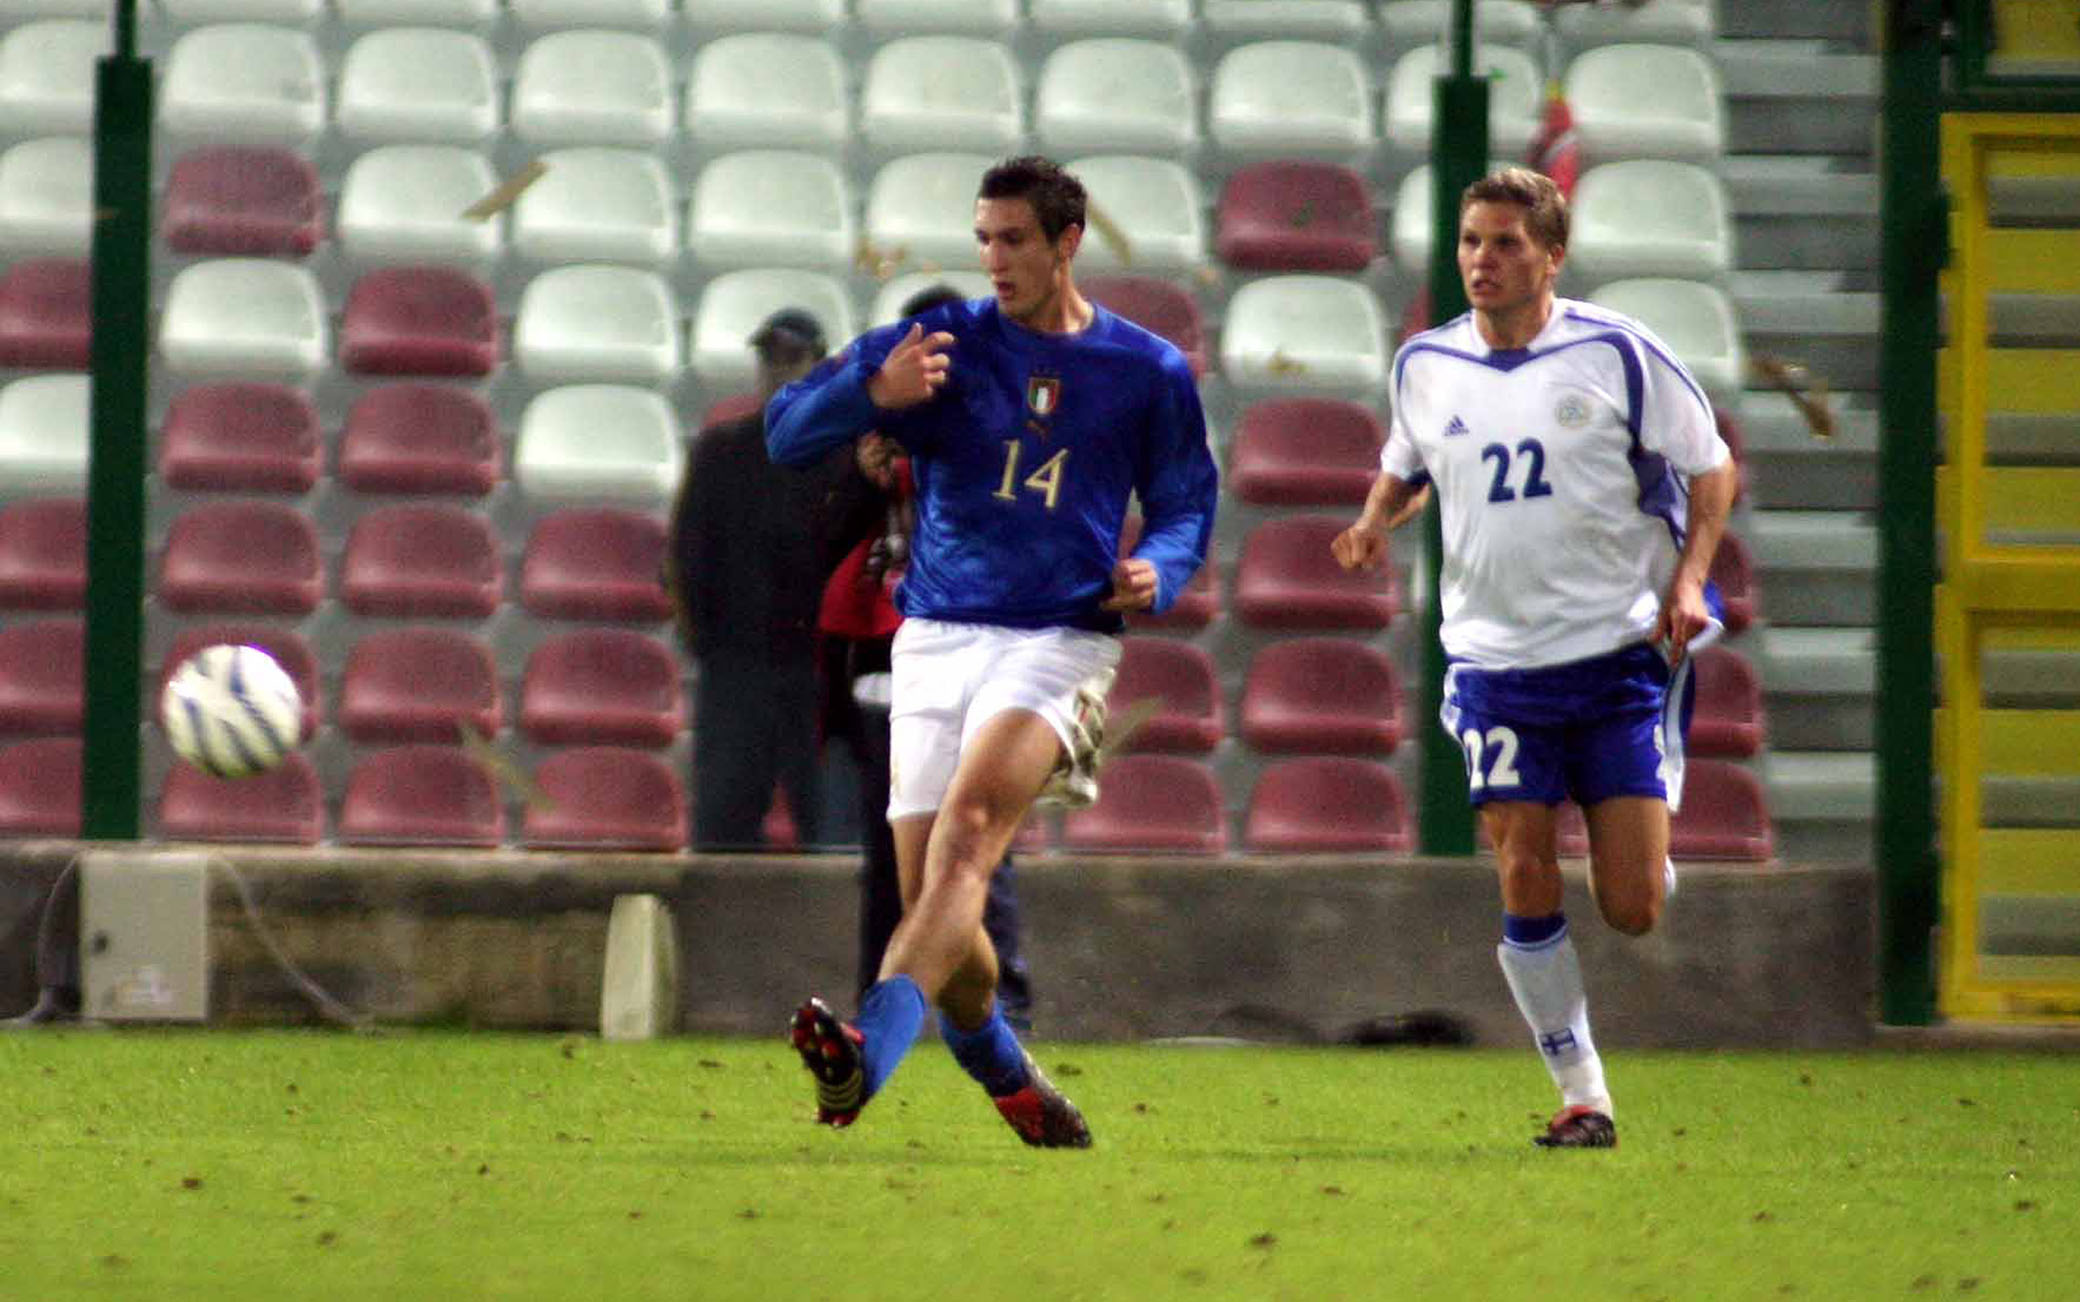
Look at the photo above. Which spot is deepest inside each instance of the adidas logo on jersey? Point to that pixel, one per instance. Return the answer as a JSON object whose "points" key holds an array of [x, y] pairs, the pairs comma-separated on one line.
{"points": [[1454, 426]]}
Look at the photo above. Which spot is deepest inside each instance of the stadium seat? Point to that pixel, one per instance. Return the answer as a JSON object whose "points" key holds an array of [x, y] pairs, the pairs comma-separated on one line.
{"points": [[1162, 20], [1160, 306], [1414, 223], [638, 15], [243, 201], [47, 76], [245, 317], [1116, 95], [1317, 20], [604, 797], [1322, 694], [1646, 101], [978, 17], [43, 554], [14, 11], [1305, 452], [942, 92], [1305, 332], [921, 209], [767, 90], [1154, 203], [1698, 323], [404, 203], [419, 84], [287, 13], [889, 299], [1649, 217], [241, 557], [418, 684], [735, 303], [1151, 804], [1296, 215], [1733, 572], [243, 84], [1287, 579], [1727, 718], [595, 563], [771, 208], [419, 320], [593, 88], [600, 441], [420, 438], [1180, 677], [241, 436], [444, 13], [598, 323], [45, 315], [40, 787], [1328, 805], [1291, 97], [604, 685], [1409, 23], [765, 15], [598, 205], [421, 795], [1516, 99], [1724, 815], [43, 435], [1665, 22], [47, 198], [281, 806], [42, 676], [288, 647], [417, 562]]}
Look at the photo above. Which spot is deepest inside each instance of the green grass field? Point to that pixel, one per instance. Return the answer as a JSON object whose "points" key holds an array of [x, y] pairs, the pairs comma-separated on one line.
{"points": [[449, 1165]]}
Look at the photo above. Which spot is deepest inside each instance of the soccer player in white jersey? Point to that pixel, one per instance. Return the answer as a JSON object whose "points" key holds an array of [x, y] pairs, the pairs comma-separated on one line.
{"points": [[1584, 488], [1030, 417]]}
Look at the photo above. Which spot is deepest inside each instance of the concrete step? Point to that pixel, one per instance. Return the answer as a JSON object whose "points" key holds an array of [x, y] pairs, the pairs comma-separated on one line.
{"points": [[1791, 469], [1804, 211], [1839, 22], [1817, 568], [1823, 805], [1818, 686], [1797, 95], [1833, 334]]}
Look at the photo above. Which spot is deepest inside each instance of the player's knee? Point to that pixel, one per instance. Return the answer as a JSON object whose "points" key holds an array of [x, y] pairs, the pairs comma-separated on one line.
{"points": [[1632, 913], [972, 829]]}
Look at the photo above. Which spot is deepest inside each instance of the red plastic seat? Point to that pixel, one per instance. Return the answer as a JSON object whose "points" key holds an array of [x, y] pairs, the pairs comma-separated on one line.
{"points": [[1182, 677], [595, 563], [723, 410], [287, 646], [46, 315], [244, 201], [43, 676], [1288, 579], [1322, 694], [418, 684], [1724, 815], [259, 438], [43, 554], [1151, 804], [283, 805], [419, 321], [421, 561], [40, 787], [1727, 718], [1328, 804], [1160, 306], [1733, 570], [241, 557], [607, 685], [1306, 452], [607, 797], [1293, 215], [421, 795], [1196, 607], [420, 438]]}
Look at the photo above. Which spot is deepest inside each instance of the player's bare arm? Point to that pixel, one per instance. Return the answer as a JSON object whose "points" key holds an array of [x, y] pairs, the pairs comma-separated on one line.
{"points": [[1683, 614], [1134, 586], [914, 371], [1387, 505]]}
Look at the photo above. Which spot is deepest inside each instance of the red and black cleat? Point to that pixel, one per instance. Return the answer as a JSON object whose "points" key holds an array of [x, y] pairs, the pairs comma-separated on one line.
{"points": [[1578, 1127], [831, 1050], [1042, 1115]]}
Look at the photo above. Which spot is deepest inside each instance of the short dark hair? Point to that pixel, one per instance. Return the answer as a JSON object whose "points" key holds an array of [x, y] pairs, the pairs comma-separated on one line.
{"points": [[931, 296], [1058, 198], [1545, 208]]}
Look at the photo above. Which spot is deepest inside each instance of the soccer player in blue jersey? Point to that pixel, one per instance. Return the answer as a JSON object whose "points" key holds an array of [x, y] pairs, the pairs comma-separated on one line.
{"points": [[1030, 418], [1584, 488]]}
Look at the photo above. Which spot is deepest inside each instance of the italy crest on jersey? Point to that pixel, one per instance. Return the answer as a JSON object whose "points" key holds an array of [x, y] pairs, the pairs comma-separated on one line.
{"points": [[1043, 395]]}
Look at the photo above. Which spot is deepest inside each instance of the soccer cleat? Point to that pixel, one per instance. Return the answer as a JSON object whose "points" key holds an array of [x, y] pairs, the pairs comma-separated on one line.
{"points": [[832, 1051], [1578, 1127], [1074, 782], [1042, 1115]]}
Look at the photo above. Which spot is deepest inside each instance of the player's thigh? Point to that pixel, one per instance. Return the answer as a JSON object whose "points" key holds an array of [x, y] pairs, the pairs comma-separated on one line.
{"points": [[1628, 846], [1041, 671]]}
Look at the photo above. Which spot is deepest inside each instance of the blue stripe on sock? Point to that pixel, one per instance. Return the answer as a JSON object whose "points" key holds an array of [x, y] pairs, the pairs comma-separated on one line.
{"points": [[990, 1053], [1533, 933], [890, 1016]]}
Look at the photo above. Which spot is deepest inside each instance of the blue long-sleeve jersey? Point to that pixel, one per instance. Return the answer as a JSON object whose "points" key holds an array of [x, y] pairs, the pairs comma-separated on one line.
{"points": [[1024, 462]]}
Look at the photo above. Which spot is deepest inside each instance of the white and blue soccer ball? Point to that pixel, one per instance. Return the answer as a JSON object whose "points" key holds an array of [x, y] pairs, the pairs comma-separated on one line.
{"points": [[231, 711]]}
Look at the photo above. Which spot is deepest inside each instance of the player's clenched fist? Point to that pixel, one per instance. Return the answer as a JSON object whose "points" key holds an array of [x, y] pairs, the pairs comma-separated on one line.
{"points": [[913, 371], [1134, 586], [1359, 548]]}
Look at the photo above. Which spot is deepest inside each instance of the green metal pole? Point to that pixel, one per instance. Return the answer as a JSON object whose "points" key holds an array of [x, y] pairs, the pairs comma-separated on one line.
{"points": [[109, 796], [1913, 245], [1458, 158]]}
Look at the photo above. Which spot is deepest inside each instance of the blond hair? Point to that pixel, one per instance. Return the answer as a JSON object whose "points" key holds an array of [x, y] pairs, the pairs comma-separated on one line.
{"points": [[1545, 208]]}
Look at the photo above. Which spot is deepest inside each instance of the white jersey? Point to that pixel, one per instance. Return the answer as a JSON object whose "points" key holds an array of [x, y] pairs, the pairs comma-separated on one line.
{"points": [[1562, 471]]}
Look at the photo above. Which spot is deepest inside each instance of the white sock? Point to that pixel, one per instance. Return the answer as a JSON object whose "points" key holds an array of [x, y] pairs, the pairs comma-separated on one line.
{"points": [[1547, 982], [1668, 880]]}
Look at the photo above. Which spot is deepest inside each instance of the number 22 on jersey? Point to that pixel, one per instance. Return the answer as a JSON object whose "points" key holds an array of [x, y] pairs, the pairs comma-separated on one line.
{"points": [[1045, 480]]}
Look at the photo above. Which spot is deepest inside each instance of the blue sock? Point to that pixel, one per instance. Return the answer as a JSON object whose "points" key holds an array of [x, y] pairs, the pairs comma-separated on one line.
{"points": [[1532, 933], [990, 1053], [890, 1015]]}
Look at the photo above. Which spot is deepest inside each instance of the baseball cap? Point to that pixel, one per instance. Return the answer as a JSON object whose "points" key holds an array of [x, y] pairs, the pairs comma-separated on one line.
{"points": [[790, 326]]}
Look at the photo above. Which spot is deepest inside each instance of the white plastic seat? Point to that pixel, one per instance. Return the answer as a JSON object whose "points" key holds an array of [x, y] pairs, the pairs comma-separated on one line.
{"points": [[1649, 217], [404, 203], [771, 208], [736, 303], [597, 205], [43, 435], [1665, 22], [974, 17], [597, 441], [640, 15], [289, 13], [47, 197], [15, 11], [598, 323], [1698, 323], [1302, 333], [1161, 19], [422, 13], [1516, 99], [1413, 219], [1291, 97], [1116, 94], [770, 90], [1409, 23], [1324, 20], [942, 92], [419, 83], [1646, 101], [593, 88], [245, 317], [242, 83], [1157, 206], [764, 15], [889, 299], [47, 76], [921, 209]]}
